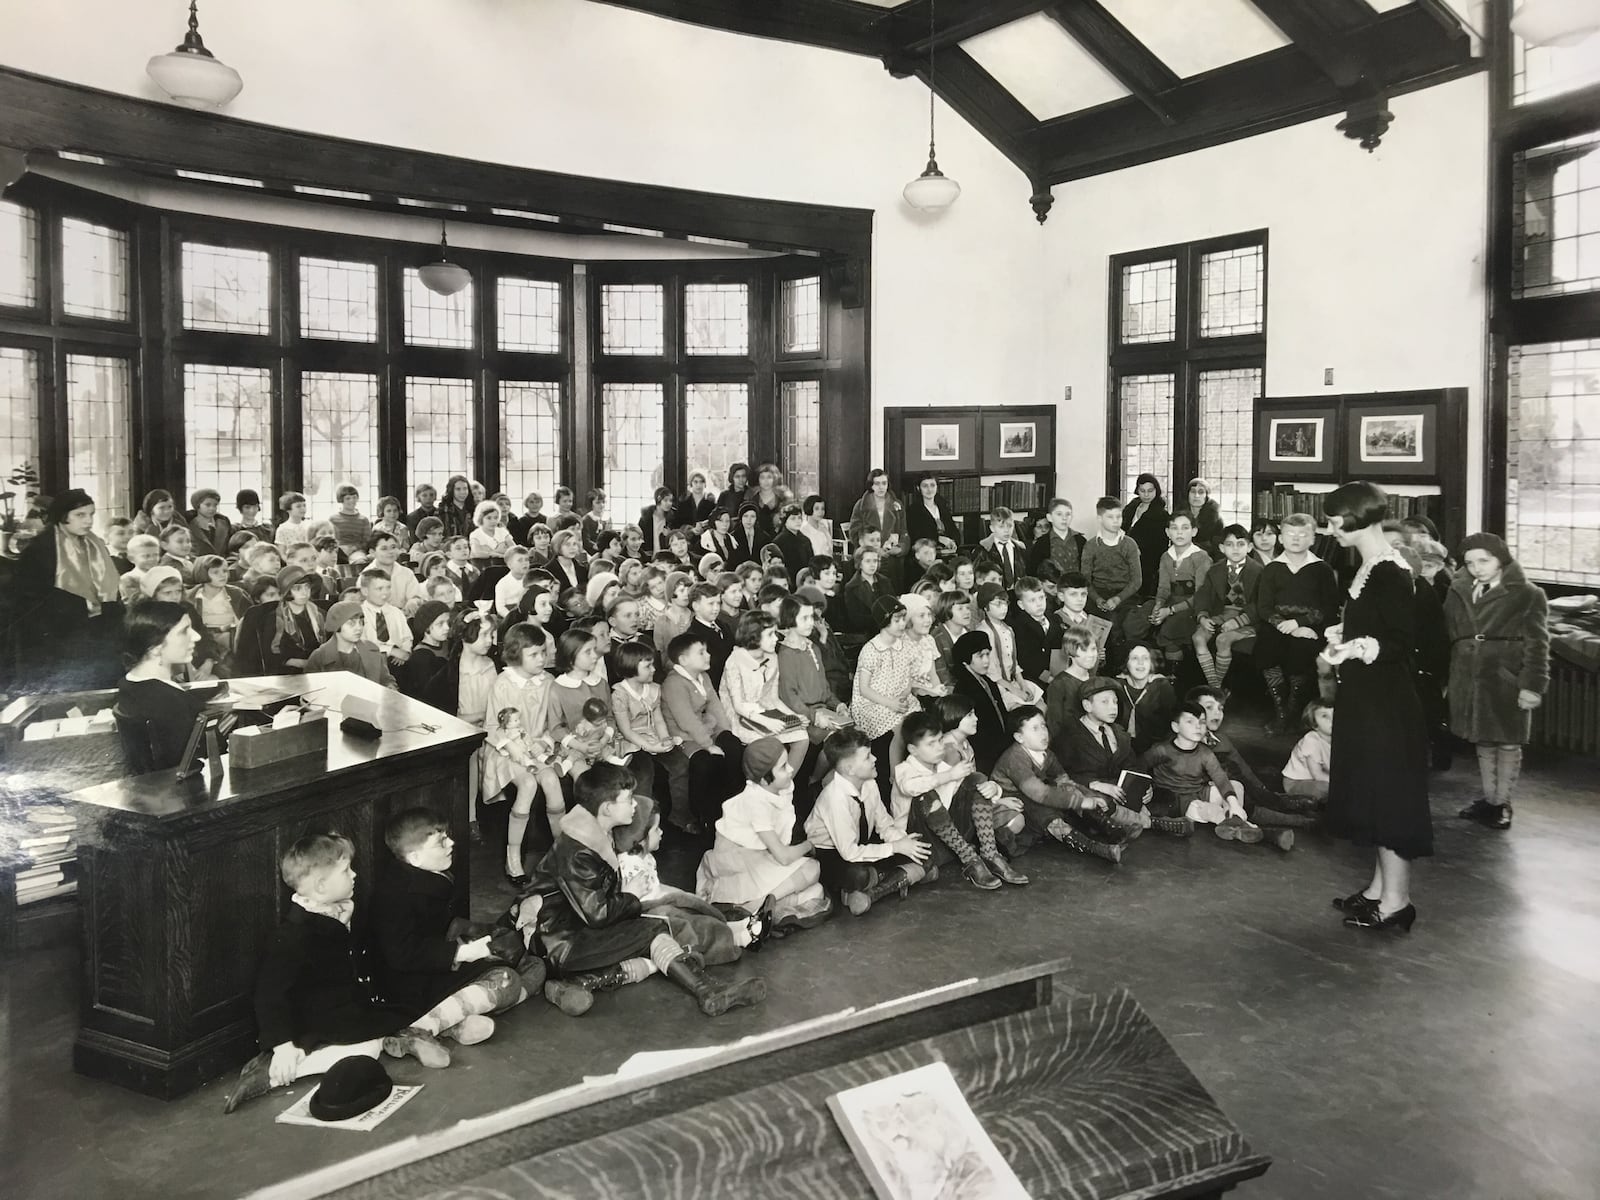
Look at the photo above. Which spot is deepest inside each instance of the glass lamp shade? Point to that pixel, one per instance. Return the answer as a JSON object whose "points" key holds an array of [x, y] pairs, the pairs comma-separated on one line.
{"points": [[444, 278], [933, 190], [1556, 22], [195, 79]]}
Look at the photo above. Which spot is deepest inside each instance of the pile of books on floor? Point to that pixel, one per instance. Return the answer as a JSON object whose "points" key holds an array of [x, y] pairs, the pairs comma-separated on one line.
{"points": [[47, 854]]}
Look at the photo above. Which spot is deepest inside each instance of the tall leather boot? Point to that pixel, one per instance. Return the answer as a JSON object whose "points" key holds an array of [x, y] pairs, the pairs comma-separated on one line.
{"points": [[892, 882], [1278, 688], [1068, 836], [1271, 818], [714, 998], [1301, 689]]}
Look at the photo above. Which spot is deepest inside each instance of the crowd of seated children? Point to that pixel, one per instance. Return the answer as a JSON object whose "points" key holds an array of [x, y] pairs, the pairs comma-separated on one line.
{"points": [[1052, 804], [596, 934], [316, 1003]]}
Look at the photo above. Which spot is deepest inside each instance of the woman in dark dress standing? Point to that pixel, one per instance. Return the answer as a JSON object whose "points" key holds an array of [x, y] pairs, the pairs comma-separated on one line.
{"points": [[1378, 777], [1144, 519], [928, 516]]}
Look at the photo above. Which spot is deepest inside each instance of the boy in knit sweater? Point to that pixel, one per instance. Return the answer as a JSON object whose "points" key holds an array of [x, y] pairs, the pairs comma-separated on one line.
{"points": [[1111, 565], [1183, 569], [1190, 783]]}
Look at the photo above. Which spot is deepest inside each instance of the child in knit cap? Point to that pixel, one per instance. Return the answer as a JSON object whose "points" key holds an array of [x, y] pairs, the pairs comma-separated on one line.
{"points": [[345, 651]]}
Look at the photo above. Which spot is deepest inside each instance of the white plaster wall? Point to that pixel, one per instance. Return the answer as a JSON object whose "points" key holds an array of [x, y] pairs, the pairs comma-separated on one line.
{"points": [[1375, 261]]}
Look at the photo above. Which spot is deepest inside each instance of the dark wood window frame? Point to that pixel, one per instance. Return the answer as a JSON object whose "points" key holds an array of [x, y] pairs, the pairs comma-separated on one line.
{"points": [[1185, 356], [158, 347], [1514, 128]]}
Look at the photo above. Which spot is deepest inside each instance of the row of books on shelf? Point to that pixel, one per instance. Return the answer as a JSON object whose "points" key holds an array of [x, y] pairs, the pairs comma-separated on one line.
{"points": [[968, 495], [44, 840], [1279, 503]]}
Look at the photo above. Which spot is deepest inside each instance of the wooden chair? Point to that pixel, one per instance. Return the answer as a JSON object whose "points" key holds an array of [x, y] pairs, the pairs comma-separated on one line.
{"points": [[135, 735]]}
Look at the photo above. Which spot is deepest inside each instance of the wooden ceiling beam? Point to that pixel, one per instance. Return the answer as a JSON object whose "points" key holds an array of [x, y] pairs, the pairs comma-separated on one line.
{"points": [[1130, 62], [830, 24], [981, 102], [1320, 30], [955, 21], [48, 114], [1406, 49]]}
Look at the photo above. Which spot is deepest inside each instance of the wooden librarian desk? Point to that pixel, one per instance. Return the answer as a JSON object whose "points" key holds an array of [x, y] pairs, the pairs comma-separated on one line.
{"points": [[179, 880]]}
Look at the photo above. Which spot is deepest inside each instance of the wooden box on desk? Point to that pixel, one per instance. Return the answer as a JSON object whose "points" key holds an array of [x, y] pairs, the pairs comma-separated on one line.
{"points": [[180, 886], [263, 747]]}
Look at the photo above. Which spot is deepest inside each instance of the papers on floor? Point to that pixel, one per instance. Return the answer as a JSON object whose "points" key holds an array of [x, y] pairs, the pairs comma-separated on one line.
{"points": [[299, 1113], [649, 1061], [45, 837]]}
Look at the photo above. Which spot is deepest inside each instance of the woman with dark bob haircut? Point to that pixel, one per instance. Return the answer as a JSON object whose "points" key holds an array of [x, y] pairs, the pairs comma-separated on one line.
{"points": [[158, 637], [1378, 777]]}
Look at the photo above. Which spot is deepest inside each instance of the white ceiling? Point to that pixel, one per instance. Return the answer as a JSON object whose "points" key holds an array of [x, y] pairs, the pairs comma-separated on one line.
{"points": [[1042, 65], [1194, 36]]}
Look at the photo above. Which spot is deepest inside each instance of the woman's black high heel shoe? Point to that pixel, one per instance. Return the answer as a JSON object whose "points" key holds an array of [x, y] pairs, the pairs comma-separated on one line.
{"points": [[1355, 902], [1402, 920]]}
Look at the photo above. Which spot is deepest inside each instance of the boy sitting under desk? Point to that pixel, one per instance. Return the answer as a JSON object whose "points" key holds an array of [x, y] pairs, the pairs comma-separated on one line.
{"points": [[313, 1004]]}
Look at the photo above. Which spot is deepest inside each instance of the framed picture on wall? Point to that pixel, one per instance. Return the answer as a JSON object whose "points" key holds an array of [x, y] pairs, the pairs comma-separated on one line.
{"points": [[1295, 441], [1391, 441], [941, 443], [1016, 441]]}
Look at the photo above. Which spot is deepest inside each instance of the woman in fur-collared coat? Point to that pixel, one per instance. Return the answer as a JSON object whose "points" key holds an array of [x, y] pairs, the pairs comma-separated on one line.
{"points": [[1499, 667]]}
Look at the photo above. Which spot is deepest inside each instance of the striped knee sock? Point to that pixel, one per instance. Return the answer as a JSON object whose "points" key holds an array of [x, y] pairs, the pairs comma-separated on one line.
{"points": [[983, 823]]}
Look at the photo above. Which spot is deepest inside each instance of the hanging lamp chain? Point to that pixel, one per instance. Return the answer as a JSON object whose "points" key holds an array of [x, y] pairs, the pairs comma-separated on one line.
{"points": [[932, 68]]}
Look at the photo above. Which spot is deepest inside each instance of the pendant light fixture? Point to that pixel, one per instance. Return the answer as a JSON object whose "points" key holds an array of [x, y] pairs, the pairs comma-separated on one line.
{"points": [[933, 190], [1556, 22], [191, 74], [443, 277]]}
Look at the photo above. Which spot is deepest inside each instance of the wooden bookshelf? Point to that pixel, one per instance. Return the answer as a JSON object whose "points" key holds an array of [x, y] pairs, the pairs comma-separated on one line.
{"points": [[1437, 492], [971, 491]]}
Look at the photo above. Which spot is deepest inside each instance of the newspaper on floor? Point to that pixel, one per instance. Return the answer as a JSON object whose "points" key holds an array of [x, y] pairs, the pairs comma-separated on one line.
{"points": [[299, 1113]]}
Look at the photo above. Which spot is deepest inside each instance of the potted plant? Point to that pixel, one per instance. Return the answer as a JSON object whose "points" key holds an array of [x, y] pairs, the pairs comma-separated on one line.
{"points": [[21, 485]]}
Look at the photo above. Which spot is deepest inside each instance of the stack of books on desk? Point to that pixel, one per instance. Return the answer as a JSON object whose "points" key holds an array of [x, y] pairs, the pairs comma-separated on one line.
{"points": [[48, 854]]}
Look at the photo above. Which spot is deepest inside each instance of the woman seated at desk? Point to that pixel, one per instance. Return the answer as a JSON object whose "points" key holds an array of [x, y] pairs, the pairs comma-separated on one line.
{"points": [[159, 636]]}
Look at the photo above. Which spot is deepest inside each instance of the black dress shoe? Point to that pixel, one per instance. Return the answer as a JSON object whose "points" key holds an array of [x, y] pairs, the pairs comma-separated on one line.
{"points": [[1480, 811], [1356, 901], [1372, 918], [1501, 818], [518, 881]]}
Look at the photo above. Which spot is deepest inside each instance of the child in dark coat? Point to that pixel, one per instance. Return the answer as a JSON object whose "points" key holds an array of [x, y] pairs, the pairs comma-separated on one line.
{"points": [[1499, 667], [313, 1004], [595, 933], [422, 952]]}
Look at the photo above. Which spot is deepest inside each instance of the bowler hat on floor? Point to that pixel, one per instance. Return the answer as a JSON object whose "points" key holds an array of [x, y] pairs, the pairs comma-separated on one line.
{"points": [[351, 1087]]}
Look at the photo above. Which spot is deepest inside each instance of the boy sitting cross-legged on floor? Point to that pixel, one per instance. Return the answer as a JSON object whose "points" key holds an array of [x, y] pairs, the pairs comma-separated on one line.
{"points": [[1277, 813], [1096, 751], [949, 801], [1051, 803], [597, 935], [863, 852], [1189, 782], [313, 1006], [423, 953]]}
